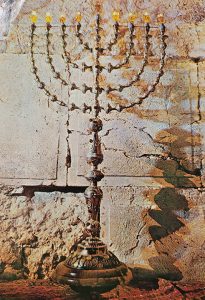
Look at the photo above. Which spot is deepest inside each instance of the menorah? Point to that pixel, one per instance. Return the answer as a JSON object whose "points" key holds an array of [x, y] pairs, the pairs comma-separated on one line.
{"points": [[90, 265]]}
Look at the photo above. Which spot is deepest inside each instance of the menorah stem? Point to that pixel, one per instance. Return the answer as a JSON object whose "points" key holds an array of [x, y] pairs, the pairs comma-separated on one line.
{"points": [[94, 194], [97, 66], [95, 156]]}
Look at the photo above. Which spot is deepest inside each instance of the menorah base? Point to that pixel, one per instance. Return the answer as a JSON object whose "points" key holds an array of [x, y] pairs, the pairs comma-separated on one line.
{"points": [[92, 268]]}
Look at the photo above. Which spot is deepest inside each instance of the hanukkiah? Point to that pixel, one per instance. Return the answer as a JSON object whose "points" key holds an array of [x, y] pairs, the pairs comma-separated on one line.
{"points": [[90, 265]]}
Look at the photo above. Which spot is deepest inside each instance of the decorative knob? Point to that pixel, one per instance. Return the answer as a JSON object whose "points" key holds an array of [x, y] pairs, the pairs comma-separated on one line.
{"points": [[94, 158], [94, 176], [95, 125], [93, 228], [93, 193]]}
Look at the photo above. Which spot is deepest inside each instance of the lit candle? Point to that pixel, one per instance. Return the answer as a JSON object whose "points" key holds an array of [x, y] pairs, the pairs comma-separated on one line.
{"points": [[48, 18], [160, 19], [116, 16], [132, 17], [146, 18], [34, 17], [62, 19], [78, 17]]}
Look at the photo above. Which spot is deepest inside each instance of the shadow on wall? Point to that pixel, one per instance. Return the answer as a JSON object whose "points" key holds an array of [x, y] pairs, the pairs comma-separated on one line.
{"points": [[169, 218], [167, 221], [168, 200], [173, 207]]}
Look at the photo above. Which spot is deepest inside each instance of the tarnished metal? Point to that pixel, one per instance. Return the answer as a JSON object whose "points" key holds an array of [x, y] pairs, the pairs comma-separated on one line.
{"points": [[94, 176], [41, 84], [95, 156], [98, 67], [90, 266], [80, 38], [56, 74], [93, 193], [95, 125]]}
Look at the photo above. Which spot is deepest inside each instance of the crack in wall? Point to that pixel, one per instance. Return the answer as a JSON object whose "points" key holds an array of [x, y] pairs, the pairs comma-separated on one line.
{"points": [[165, 157], [196, 61], [152, 139], [58, 153], [138, 236], [197, 122]]}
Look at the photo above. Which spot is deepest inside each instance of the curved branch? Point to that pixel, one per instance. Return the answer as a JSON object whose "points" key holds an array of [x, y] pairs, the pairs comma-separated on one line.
{"points": [[141, 70], [66, 54], [128, 54], [80, 38], [56, 74], [152, 87], [42, 84], [115, 40]]}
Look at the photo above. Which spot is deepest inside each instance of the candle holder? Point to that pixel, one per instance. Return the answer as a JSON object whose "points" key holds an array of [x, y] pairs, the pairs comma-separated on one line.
{"points": [[90, 265]]}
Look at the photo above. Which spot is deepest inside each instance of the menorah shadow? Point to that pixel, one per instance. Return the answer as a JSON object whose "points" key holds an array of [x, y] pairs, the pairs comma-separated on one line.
{"points": [[169, 219], [171, 215], [173, 208]]}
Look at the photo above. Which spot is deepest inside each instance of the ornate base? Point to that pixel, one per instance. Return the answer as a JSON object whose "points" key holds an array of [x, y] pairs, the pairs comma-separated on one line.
{"points": [[91, 267]]}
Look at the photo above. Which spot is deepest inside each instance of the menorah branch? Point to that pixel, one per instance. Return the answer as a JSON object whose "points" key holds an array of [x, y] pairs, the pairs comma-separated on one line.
{"points": [[153, 86], [41, 84], [80, 38], [115, 40], [128, 54], [66, 54], [56, 74], [137, 77], [84, 88]]}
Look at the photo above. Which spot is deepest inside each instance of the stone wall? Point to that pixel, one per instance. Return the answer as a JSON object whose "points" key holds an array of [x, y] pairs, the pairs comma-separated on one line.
{"points": [[153, 207]]}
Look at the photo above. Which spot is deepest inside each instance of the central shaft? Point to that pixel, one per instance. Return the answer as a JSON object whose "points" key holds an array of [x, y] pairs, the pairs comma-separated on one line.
{"points": [[94, 194]]}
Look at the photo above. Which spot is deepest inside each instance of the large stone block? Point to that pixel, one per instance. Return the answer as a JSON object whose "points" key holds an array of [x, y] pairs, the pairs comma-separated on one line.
{"points": [[30, 130]]}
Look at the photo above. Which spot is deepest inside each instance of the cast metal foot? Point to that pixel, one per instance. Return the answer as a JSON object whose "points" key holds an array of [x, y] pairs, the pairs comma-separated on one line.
{"points": [[91, 267]]}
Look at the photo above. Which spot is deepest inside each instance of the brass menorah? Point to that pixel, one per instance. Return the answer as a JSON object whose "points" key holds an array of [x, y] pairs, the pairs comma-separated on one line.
{"points": [[90, 265]]}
